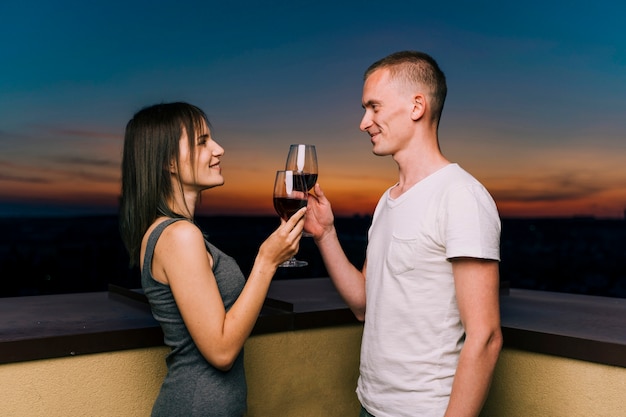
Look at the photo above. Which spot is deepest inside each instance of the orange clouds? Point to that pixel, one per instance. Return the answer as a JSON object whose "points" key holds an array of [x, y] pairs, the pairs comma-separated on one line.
{"points": [[553, 181]]}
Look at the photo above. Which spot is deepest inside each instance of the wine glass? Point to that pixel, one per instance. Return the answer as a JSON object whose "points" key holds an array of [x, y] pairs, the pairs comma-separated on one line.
{"points": [[290, 195], [302, 158]]}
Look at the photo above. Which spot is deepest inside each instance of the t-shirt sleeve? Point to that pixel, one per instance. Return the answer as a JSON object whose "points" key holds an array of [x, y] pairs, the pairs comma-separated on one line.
{"points": [[471, 223]]}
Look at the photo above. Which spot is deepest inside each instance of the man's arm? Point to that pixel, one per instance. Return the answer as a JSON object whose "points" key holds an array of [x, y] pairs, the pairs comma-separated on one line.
{"points": [[477, 291], [349, 281]]}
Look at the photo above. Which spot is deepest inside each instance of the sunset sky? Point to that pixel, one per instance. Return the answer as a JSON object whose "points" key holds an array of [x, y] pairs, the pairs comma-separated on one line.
{"points": [[536, 105]]}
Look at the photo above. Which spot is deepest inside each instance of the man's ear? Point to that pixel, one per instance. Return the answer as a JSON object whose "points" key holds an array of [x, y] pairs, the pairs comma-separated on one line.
{"points": [[419, 107]]}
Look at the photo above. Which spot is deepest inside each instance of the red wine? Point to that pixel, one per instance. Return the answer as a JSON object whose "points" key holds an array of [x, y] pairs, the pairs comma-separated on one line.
{"points": [[310, 180], [287, 207]]}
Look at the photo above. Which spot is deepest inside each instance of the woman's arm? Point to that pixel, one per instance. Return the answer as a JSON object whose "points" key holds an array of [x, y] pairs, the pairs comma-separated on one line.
{"points": [[182, 261]]}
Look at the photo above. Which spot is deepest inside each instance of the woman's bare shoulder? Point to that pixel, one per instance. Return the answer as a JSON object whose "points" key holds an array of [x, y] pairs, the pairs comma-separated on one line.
{"points": [[182, 231]]}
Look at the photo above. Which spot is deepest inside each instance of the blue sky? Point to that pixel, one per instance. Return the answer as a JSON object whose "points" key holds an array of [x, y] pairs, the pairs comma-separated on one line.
{"points": [[535, 109]]}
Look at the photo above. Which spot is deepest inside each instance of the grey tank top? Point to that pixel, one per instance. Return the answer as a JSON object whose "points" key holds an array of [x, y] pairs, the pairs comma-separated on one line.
{"points": [[192, 386]]}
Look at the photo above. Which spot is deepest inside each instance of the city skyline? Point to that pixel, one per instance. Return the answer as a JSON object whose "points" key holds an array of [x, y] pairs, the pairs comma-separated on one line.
{"points": [[535, 108]]}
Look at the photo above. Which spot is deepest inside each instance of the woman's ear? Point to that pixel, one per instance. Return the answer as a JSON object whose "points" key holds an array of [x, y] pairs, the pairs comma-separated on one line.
{"points": [[419, 107], [172, 168]]}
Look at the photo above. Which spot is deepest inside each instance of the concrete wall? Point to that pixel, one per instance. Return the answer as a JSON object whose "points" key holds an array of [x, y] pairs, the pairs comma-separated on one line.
{"points": [[304, 373], [535, 385], [114, 384]]}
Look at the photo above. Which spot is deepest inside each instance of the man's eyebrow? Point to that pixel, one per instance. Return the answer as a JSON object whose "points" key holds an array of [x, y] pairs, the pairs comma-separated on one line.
{"points": [[369, 103]]}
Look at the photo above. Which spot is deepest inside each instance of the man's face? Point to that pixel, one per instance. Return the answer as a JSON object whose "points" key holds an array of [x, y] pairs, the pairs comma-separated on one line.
{"points": [[388, 106]]}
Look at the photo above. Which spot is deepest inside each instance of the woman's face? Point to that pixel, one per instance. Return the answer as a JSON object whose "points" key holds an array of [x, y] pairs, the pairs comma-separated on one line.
{"points": [[205, 171]]}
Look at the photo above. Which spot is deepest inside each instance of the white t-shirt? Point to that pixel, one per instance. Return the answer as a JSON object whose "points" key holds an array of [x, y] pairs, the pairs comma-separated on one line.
{"points": [[413, 333]]}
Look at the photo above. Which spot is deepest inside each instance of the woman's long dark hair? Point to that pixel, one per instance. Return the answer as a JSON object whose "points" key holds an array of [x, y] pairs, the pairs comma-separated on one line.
{"points": [[151, 146]]}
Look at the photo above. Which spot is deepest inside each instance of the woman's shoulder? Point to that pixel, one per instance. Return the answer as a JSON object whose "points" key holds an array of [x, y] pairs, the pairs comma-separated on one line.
{"points": [[180, 229], [172, 228], [181, 239]]}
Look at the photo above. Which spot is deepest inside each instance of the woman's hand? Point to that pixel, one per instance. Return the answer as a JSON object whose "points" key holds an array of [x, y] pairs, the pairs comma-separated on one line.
{"points": [[285, 241]]}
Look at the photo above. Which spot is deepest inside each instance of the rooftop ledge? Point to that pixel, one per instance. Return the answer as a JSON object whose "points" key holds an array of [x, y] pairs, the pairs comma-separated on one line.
{"points": [[581, 327]]}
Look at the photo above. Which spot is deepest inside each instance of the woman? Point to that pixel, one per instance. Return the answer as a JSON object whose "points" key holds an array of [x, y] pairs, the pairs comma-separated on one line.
{"points": [[202, 301]]}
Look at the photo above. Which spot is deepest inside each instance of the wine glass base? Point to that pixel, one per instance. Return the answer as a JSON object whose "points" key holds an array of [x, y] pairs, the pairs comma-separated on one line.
{"points": [[293, 263]]}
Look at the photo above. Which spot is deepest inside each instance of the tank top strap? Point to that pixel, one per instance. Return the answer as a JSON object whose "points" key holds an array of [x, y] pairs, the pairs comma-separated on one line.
{"points": [[152, 240]]}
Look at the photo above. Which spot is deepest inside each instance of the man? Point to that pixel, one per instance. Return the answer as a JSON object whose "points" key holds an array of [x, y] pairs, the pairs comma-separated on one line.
{"points": [[428, 291]]}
